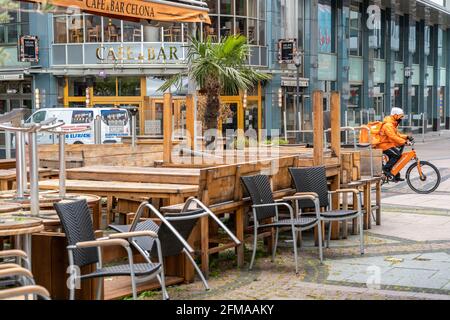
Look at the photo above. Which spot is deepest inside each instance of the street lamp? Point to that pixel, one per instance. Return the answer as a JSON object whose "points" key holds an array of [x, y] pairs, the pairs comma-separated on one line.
{"points": [[298, 64]]}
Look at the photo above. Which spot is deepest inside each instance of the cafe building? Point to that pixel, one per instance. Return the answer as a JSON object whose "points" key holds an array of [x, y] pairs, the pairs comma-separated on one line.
{"points": [[378, 54]]}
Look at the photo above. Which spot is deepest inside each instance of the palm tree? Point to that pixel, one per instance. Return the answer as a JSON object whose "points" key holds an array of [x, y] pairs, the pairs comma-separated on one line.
{"points": [[218, 68]]}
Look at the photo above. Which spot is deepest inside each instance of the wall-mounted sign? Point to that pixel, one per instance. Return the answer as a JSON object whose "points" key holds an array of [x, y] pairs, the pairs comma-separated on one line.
{"points": [[28, 49], [11, 77], [137, 9], [287, 49], [132, 55]]}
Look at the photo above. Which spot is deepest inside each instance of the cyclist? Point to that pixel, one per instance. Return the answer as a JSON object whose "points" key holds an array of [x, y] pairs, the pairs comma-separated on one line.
{"points": [[393, 142]]}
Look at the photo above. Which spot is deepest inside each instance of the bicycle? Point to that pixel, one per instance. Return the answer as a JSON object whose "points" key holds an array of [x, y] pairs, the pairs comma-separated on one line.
{"points": [[423, 173]]}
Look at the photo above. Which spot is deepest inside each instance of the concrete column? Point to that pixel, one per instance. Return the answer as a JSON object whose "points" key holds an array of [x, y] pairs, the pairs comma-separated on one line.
{"points": [[390, 63], [368, 65], [407, 60], [311, 60], [423, 68], [343, 65], [437, 54], [447, 82]]}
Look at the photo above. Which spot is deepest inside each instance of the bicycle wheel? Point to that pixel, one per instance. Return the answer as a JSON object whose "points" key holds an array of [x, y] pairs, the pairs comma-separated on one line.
{"points": [[430, 180]]}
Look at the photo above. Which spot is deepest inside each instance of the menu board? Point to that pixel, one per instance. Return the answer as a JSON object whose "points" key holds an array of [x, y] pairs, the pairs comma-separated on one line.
{"points": [[287, 50], [29, 49]]}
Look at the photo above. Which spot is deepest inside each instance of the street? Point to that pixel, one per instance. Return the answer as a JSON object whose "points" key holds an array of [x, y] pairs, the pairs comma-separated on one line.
{"points": [[406, 258]]}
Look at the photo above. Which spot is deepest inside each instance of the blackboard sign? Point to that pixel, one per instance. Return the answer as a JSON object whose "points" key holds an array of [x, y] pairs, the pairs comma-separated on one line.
{"points": [[287, 50], [29, 49]]}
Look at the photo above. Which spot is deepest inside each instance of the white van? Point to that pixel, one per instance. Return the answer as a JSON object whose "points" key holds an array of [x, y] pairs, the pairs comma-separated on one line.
{"points": [[115, 124]]}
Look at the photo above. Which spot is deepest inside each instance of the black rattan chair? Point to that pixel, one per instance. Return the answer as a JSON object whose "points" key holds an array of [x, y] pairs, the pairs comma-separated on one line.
{"points": [[314, 179], [265, 207], [173, 232], [84, 249]]}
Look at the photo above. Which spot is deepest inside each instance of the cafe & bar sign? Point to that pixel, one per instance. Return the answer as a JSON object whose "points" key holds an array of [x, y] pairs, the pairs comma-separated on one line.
{"points": [[136, 9]]}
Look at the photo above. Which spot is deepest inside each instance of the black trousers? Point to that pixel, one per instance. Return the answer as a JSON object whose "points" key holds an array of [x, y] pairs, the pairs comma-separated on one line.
{"points": [[394, 155]]}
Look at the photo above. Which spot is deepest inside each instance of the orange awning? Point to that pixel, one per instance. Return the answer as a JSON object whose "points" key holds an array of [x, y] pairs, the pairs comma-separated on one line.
{"points": [[136, 9]]}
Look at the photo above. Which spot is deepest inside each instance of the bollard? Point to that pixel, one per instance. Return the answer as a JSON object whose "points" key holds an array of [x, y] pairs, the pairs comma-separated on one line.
{"points": [[62, 165], [34, 173]]}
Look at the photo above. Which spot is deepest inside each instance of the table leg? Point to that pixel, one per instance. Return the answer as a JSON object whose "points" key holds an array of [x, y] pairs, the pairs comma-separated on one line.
{"points": [[240, 235], [3, 185], [355, 224], [175, 199], [367, 206], [109, 204], [97, 215], [204, 245], [27, 247], [335, 185], [378, 202], [345, 222]]}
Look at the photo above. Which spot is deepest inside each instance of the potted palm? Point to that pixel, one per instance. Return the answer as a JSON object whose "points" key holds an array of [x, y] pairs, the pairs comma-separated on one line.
{"points": [[217, 68]]}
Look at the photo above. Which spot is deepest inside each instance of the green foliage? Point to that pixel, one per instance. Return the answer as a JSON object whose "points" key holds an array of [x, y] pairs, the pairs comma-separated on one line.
{"points": [[225, 61], [276, 142]]}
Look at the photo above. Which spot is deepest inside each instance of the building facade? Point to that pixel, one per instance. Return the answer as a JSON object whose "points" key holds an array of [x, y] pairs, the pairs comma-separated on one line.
{"points": [[379, 54]]}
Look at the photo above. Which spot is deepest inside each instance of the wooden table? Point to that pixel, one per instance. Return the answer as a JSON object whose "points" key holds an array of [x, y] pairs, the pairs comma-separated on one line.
{"points": [[366, 185], [8, 177], [170, 193], [21, 228], [135, 174], [7, 163], [47, 200]]}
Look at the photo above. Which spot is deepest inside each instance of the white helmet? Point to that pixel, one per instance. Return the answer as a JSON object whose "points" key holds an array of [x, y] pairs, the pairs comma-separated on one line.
{"points": [[397, 111]]}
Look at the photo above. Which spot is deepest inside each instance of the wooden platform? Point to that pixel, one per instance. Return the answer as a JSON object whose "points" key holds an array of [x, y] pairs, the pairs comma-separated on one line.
{"points": [[136, 174], [120, 287]]}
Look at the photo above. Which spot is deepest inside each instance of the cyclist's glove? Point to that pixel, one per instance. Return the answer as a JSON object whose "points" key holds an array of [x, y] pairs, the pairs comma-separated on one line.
{"points": [[411, 138]]}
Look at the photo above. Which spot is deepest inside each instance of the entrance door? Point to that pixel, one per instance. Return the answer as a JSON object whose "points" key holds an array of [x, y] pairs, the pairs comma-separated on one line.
{"points": [[292, 116], [153, 124]]}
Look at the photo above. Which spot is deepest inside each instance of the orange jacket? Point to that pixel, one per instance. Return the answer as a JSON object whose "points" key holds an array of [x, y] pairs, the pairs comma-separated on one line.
{"points": [[390, 137]]}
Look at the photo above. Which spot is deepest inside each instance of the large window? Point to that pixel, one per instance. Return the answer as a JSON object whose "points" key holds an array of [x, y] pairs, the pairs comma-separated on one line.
{"points": [[76, 29], [228, 17], [326, 28], [17, 25], [355, 46]]}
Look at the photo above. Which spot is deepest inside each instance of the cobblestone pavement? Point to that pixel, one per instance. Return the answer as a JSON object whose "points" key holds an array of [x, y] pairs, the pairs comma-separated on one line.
{"points": [[407, 257]]}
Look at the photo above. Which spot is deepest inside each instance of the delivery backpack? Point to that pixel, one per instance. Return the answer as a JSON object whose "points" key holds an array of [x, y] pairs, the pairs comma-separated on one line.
{"points": [[375, 133]]}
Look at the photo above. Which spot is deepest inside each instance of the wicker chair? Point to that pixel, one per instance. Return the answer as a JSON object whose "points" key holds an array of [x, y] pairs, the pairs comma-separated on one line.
{"points": [[265, 207], [84, 249], [314, 179], [173, 232]]}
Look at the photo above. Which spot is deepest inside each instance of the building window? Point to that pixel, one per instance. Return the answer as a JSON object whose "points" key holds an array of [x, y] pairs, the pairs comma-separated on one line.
{"points": [[129, 86], [112, 30], [17, 25], [244, 17], [76, 27], [77, 87], [93, 28], [105, 87], [60, 29], [326, 30], [173, 33], [355, 31]]}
